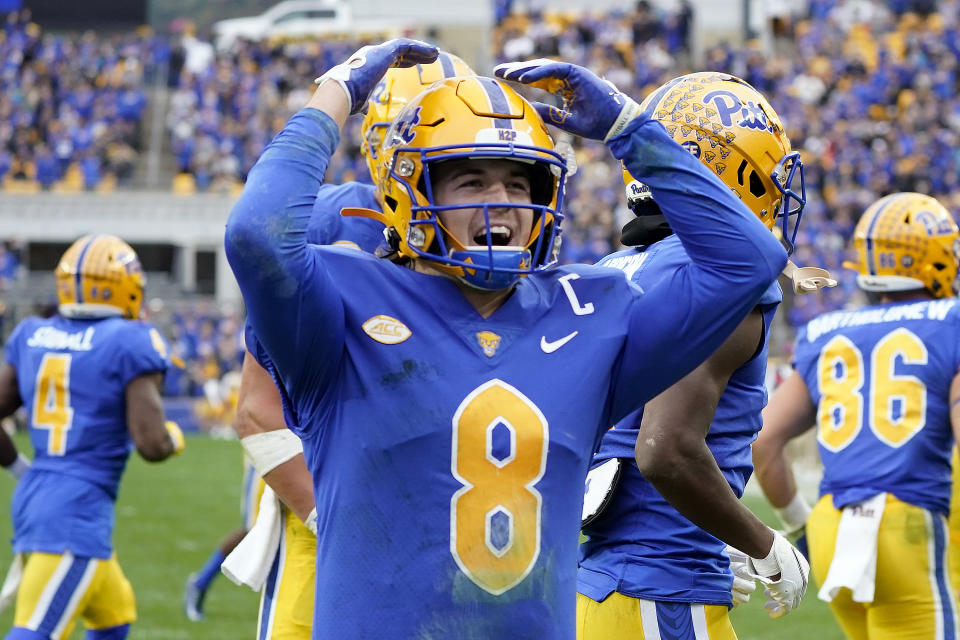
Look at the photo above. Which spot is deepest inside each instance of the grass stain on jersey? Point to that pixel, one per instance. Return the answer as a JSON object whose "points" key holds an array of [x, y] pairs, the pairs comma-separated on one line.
{"points": [[409, 370]]}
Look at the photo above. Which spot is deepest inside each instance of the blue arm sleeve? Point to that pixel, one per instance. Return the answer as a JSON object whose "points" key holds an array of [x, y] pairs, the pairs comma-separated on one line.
{"points": [[733, 259], [292, 303]]}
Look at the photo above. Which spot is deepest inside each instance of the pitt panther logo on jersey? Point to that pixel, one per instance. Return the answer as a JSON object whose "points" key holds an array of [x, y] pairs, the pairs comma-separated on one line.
{"points": [[729, 105], [489, 342], [386, 330]]}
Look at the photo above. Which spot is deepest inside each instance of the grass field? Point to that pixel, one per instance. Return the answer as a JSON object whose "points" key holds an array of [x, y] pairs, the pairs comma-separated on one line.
{"points": [[171, 515]]}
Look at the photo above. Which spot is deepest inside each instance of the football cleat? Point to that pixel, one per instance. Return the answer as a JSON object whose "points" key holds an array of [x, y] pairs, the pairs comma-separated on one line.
{"points": [[193, 597]]}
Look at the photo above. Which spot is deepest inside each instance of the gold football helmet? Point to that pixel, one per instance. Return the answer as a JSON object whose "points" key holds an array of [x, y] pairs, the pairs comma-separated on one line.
{"points": [[398, 87], [730, 127], [907, 241], [472, 118], [100, 275]]}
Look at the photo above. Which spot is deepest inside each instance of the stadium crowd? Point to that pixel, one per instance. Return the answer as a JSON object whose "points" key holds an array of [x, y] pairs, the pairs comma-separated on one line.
{"points": [[868, 92], [71, 107]]}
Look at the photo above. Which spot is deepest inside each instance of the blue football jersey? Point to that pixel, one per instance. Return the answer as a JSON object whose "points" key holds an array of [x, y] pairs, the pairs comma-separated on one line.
{"points": [[448, 450], [327, 226], [72, 376], [640, 545], [880, 378]]}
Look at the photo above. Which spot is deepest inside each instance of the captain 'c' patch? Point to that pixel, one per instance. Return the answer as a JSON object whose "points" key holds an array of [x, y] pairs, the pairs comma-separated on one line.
{"points": [[386, 329]]}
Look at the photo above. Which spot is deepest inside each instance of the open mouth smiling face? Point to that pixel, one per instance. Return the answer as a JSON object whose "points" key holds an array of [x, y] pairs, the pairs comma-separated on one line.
{"points": [[480, 182]]}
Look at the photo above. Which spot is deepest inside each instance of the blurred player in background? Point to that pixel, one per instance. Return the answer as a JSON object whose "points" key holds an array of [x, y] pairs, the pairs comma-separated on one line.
{"points": [[286, 606], [199, 583], [646, 568], [90, 379], [880, 385], [218, 413], [438, 513]]}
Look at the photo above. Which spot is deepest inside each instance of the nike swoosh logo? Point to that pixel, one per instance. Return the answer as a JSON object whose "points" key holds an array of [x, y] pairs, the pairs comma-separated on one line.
{"points": [[550, 347]]}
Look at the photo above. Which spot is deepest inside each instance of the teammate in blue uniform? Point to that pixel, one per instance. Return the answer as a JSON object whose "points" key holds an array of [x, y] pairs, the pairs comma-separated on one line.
{"points": [[90, 379], [646, 569], [286, 610], [880, 385], [449, 400]]}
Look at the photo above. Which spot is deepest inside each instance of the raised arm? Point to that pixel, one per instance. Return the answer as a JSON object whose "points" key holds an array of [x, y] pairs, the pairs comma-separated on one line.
{"points": [[789, 413], [686, 316], [734, 258], [281, 279]]}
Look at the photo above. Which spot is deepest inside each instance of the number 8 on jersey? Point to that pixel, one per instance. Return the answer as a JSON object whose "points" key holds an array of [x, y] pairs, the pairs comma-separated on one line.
{"points": [[499, 453]]}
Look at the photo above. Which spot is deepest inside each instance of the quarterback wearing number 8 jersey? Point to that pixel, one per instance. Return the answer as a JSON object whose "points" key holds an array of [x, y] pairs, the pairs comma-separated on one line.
{"points": [[449, 399], [880, 386]]}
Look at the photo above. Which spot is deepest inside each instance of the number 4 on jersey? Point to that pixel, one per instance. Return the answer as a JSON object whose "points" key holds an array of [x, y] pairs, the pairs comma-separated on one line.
{"points": [[51, 401]]}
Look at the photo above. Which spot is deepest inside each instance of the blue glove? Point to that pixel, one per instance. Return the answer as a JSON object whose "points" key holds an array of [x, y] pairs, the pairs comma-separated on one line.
{"points": [[591, 107], [363, 70]]}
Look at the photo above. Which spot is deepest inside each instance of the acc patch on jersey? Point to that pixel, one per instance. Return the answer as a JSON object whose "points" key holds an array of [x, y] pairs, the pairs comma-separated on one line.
{"points": [[386, 329]]}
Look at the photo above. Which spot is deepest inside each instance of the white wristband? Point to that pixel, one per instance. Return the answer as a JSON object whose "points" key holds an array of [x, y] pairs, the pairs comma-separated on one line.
{"points": [[311, 521], [795, 514], [628, 112], [19, 466], [769, 565], [270, 449]]}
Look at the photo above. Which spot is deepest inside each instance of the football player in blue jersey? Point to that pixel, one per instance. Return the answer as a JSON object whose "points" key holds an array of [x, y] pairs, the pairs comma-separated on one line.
{"points": [[449, 396], [286, 605], [654, 563], [90, 380], [881, 388], [199, 582]]}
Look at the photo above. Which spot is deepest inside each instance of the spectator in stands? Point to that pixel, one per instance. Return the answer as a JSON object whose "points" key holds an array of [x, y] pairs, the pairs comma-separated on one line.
{"points": [[61, 97]]}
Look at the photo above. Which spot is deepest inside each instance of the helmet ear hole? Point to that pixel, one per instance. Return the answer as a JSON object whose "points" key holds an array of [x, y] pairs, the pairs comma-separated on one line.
{"points": [[541, 184], [756, 185]]}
